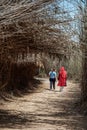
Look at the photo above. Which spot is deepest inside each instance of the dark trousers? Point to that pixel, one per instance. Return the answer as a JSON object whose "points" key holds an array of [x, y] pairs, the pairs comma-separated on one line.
{"points": [[52, 83]]}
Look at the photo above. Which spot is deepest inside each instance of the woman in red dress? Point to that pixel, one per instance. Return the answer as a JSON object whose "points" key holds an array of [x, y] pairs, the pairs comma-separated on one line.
{"points": [[62, 77]]}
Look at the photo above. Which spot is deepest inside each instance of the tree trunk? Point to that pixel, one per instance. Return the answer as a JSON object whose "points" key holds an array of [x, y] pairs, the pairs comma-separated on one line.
{"points": [[84, 75]]}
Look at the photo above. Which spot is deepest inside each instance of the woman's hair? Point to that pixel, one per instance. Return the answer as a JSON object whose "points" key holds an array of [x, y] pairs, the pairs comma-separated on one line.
{"points": [[53, 69]]}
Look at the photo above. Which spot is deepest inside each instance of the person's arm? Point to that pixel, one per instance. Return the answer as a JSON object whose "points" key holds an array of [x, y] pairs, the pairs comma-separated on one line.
{"points": [[55, 76], [49, 74]]}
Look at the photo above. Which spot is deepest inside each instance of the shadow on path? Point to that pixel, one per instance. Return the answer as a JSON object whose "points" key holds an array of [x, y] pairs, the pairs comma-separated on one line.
{"points": [[46, 110]]}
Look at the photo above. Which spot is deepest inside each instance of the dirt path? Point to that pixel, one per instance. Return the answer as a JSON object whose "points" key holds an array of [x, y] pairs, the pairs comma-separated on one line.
{"points": [[44, 110]]}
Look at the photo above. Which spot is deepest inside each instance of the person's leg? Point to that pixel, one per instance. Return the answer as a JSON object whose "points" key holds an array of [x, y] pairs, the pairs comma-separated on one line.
{"points": [[50, 84], [61, 88], [53, 84]]}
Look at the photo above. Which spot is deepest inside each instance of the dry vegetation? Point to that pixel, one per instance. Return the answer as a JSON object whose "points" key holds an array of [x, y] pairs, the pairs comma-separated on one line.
{"points": [[32, 27]]}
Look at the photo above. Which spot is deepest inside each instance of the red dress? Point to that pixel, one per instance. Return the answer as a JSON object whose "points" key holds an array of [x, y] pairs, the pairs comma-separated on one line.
{"points": [[62, 77]]}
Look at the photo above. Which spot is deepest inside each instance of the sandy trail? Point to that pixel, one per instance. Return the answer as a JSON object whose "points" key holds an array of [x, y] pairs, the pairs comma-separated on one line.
{"points": [[44, 110]]}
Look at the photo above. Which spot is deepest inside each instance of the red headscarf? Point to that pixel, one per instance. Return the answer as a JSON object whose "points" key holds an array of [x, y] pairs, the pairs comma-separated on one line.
{"points": [[62, 72], [62, 77]]}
